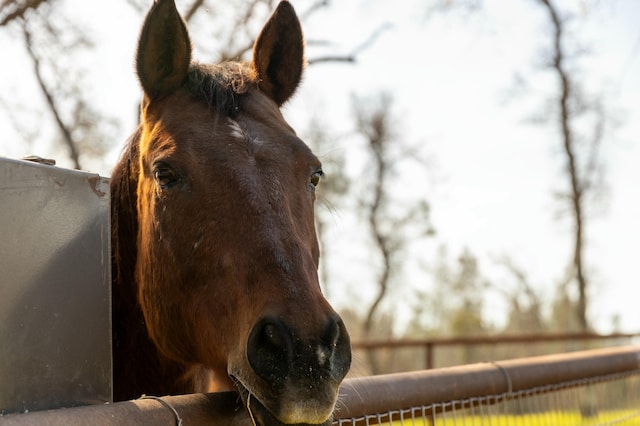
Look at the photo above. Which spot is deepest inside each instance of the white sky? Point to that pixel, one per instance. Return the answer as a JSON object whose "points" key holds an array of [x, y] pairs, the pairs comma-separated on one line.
{"points": [[453, 78]]}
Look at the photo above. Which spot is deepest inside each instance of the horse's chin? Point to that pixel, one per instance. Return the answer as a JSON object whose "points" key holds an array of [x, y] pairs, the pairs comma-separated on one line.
{"points": [[261, 415]]}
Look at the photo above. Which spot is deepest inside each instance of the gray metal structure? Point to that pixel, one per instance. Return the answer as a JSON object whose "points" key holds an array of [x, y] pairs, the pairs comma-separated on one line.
{"points": [[55, 284]]}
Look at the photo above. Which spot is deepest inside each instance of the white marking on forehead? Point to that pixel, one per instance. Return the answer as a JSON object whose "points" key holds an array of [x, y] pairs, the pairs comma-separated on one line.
{"points": [[236, 130]]}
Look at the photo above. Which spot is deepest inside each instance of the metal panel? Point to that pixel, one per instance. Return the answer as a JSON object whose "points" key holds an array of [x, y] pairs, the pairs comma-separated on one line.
{"points": [[55, 325]]}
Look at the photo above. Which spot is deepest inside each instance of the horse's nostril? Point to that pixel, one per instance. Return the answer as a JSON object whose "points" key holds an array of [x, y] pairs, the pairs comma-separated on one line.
{"points": [[328, 343], [340, 348], [273, 337], [269, 349]]}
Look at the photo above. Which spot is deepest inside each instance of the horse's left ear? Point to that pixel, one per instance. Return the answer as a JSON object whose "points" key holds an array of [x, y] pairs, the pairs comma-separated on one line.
{"points": [[164, 50], [278, 54]]}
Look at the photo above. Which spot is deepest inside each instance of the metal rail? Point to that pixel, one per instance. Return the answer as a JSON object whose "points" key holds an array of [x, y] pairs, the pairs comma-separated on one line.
{"points": [[393, 392], [429, 345], [359, 397], [219, 409]]}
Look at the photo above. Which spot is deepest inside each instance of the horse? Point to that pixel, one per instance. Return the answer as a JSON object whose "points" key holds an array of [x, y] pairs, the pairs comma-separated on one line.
{"points": [[214, 249]]}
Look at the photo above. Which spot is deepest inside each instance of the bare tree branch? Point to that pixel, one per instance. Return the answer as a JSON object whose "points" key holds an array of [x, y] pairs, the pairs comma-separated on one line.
{"points": [[388, 228], [376, 128], [193, 9], [11, 10], [64, 129], [251, 9], [238, 53], [241, 25], [351, 57], [576, 179], [331, 58], [317, 5]]}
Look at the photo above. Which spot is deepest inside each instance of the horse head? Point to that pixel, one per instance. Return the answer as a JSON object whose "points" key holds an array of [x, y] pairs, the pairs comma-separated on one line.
{"points": [[226, 253]]}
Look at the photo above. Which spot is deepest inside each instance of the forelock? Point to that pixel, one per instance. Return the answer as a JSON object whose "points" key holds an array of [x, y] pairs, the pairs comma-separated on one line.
{"points": [[221, 86]]}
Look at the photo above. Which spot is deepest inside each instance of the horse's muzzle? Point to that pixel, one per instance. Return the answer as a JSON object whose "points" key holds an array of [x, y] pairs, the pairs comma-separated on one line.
{"points": [[300, 373]]}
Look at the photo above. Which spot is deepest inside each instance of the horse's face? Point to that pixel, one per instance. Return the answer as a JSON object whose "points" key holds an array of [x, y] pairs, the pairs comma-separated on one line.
{"points": [[227, 250]]}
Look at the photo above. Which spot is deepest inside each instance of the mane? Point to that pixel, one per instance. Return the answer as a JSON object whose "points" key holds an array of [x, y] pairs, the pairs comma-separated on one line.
{"points": [[124, 218], [128, 325], [221, 86]]}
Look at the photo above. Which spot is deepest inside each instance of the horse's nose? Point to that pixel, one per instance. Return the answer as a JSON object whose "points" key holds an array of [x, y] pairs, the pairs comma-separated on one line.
{"points": [[277, 352]]}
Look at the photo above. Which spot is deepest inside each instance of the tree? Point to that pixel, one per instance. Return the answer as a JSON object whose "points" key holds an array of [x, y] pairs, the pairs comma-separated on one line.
{"points": [[581, 153], [51, 42], [525, 303], [55, 45], [12, 10], [455, 303], [468, 284], [387, 225]]}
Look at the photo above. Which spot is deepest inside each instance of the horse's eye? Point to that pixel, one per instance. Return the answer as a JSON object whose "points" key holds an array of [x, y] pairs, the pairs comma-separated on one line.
{"points": [[165, 176], [314, 180]]}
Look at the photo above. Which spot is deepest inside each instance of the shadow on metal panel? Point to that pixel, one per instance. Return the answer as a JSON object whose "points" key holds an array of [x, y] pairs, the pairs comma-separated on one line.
{"points": [[55, 330]]}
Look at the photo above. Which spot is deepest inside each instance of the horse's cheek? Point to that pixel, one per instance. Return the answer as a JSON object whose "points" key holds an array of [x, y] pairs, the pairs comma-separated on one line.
{"points": [[163, 303], [205, 314]]}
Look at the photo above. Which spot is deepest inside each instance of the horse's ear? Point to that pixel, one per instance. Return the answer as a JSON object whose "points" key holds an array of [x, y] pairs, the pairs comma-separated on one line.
{"points": [[164, 50], [278, 54]]}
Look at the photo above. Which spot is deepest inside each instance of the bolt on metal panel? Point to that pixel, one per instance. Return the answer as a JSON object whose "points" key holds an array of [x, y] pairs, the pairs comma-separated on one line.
{"points": [[55, 287]]}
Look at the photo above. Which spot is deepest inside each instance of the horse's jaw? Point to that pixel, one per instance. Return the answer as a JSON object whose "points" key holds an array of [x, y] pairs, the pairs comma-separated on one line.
{"points": [[293, 411]]}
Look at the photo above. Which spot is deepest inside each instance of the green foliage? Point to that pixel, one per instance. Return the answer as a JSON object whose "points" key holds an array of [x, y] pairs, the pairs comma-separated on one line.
{"points": [[559, 418]]}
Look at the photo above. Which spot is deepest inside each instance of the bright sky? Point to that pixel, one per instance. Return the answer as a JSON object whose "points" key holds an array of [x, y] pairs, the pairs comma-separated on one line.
{"points": [[455, 79]]}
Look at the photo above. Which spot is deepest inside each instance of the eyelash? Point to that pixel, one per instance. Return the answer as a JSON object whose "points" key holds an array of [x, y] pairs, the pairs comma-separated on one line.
{"points": [[165, 176]]}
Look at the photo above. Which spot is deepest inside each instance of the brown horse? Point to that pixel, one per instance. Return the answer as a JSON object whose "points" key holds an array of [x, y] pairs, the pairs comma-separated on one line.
{"points": [[215, 254]]}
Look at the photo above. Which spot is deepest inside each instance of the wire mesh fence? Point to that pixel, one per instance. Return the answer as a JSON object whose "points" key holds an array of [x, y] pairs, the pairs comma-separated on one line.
{"points": [[600, 399], [605, 400]]}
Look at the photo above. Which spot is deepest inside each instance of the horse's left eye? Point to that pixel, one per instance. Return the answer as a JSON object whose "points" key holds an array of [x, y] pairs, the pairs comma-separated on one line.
{"points": [[165, 176], [314, 180]]}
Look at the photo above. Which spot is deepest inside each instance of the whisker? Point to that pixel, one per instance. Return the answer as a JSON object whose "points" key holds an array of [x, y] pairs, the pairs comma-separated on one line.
{"points": [[249, 409]]}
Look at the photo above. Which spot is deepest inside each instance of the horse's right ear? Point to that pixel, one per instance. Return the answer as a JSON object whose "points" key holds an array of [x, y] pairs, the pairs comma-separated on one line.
{"points": [[164, 50]]}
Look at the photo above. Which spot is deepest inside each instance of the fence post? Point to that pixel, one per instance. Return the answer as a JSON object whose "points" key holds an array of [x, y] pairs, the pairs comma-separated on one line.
{"points": [[428, 348]]}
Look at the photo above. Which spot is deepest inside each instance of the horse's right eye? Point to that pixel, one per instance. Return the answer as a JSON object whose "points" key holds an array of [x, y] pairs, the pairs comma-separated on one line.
{"points": [[314, 180], [165, 176]]}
